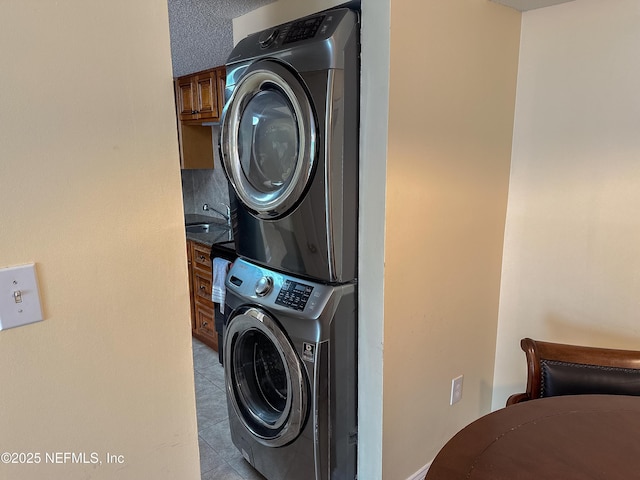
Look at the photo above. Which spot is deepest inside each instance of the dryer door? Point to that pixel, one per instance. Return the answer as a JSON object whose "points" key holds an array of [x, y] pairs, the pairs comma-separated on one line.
{"points": [[268, 139], [264, 377]]}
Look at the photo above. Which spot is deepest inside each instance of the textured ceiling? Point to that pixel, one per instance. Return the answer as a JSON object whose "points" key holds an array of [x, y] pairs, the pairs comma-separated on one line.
{"points": [[202, 31]]}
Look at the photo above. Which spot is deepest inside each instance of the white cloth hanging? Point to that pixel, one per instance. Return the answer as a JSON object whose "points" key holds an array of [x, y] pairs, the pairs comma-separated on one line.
{"points": [[218, 290]]}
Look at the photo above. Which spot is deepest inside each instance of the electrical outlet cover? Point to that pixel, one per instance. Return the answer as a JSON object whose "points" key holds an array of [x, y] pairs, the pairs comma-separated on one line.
{"points": [[456, 390]]}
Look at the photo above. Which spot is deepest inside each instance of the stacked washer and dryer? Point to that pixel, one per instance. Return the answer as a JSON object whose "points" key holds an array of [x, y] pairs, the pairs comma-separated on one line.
{"points": [[289, 146]]}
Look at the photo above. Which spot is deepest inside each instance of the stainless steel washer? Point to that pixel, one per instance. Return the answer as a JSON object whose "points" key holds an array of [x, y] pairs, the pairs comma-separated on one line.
{"points": [[289, 145], [290, 374]]}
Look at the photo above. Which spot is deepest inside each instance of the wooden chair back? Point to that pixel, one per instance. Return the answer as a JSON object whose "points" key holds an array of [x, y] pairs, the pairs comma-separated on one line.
{"points": [[560, 369]]}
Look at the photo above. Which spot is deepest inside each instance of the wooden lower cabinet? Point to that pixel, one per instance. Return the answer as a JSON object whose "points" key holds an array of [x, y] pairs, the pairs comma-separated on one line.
{"points": [[205, 324], [202, 308]]}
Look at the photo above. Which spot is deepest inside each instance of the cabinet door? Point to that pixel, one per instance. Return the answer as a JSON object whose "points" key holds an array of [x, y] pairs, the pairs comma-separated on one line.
{"points": [[207, 101], [186, 99]]}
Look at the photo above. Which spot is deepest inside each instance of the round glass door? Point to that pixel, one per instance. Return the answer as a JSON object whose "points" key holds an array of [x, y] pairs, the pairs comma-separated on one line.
{"points": [[265, 380], [268, 139]]}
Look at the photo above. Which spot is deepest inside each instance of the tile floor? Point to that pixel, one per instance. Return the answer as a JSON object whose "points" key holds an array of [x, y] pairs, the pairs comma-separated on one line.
{"points": [[219, 458]]}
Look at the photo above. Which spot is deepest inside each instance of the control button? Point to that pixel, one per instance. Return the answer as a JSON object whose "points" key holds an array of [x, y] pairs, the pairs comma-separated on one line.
{"points": [[303, 29], [264, 286], [267, 37]]}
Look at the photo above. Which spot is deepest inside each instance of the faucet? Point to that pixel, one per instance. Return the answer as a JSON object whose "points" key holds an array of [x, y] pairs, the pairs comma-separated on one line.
{"points": [[227, 216]]}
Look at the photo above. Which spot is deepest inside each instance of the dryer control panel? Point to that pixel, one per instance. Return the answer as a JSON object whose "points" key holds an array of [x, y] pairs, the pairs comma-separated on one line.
{"points": [[317, 40], [303, 29]]}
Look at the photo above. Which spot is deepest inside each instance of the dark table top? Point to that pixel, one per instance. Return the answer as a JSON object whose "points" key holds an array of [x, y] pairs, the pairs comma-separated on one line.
{"points": [[582, 437]]}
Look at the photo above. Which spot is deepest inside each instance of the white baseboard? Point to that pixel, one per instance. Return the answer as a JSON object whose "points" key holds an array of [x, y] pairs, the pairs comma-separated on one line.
{"points": [[420, 474]]}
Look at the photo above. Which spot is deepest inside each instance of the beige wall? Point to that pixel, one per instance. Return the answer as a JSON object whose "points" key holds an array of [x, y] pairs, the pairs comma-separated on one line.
{"points": [[571, 266], [90, 191], [451, 106]]}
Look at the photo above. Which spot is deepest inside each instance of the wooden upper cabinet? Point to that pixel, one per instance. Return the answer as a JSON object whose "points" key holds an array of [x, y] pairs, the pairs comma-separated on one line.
{"points": [[198, 96], [199, 100]]}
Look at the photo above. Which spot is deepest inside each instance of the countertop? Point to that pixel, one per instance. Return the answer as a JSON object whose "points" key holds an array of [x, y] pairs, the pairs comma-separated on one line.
{"points": [[221, 238]]}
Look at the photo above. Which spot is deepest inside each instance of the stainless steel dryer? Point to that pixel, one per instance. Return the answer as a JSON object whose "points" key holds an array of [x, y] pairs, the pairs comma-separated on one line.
{"points": [[290, 374], [289, 145]]}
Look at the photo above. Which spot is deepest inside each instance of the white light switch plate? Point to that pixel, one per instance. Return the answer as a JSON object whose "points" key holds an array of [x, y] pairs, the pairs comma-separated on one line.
{"points": [[19, 296]]}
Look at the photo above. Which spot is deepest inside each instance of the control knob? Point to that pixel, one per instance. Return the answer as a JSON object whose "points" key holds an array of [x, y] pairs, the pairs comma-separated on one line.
{"points": [[268, 37], [264, 286]]}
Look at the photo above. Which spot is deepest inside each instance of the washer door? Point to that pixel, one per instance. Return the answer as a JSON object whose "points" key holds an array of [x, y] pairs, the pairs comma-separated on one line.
{"points": [[268, 139], [265, 380]]}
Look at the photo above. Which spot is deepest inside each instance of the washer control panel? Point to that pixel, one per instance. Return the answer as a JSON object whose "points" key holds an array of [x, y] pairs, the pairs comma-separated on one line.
{"points": [[253, 284], [294, 295]]}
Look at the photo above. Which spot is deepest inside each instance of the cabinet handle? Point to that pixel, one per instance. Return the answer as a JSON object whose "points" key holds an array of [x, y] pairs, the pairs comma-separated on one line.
{"points": [[204, 324], [202, 258], [202, 287]]}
